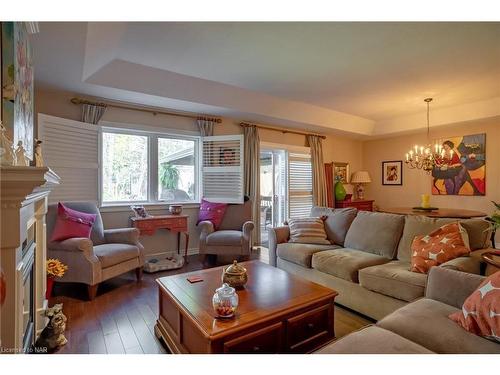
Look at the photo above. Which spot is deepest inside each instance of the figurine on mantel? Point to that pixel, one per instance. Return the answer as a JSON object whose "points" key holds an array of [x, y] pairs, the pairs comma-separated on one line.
{"points": [[21, 159], [38, 154], [7, 155]]}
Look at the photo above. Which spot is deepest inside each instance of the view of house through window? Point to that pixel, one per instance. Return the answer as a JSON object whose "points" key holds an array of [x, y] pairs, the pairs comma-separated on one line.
{"points": [[176, 170], [125, 167]]}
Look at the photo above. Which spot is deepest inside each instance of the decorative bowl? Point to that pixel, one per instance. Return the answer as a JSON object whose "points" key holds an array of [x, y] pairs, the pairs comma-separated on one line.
{"points": [[175, 209], [235, 275]]}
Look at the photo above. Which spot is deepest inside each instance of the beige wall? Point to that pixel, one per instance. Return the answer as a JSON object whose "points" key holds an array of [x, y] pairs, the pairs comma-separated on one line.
{"points": [[417, 182], [57, 103]]}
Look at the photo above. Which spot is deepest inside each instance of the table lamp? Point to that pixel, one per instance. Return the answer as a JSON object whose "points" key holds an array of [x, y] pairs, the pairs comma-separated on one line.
{"points": [[360, 178]]}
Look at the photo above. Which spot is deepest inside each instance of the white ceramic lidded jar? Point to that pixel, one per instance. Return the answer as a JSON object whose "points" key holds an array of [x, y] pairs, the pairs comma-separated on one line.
{"points": [[225, 301]]}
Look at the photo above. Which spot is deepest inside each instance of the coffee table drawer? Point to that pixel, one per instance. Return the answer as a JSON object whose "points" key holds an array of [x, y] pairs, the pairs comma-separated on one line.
{"points": [[305, 328], [264, 341]]}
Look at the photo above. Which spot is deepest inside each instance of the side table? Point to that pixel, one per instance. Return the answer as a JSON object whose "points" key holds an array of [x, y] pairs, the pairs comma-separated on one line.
{"points": [[174, 223]]}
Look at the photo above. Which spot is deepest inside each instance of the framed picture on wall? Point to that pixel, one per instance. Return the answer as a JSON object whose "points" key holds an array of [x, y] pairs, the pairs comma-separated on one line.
{"points": [[392, 172], [341, 172]]}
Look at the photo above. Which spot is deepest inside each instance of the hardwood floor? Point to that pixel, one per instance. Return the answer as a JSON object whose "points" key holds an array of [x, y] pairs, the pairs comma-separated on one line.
{"points": [[121, 318]]}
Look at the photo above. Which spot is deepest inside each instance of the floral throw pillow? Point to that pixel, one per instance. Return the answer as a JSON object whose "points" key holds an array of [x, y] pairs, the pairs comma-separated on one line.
{"points": [[446, 243], [481, 310]]}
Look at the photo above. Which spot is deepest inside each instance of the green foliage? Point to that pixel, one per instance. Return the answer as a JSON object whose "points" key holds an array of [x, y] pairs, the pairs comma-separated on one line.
{"points": [[495, 218], [169, 176]]}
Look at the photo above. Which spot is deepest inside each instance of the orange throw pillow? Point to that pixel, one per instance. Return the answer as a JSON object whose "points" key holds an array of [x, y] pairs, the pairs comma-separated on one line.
{"points": [[481, 310], [446, 243]]}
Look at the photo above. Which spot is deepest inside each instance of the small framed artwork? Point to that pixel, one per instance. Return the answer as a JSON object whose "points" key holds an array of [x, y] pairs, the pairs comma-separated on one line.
{"points": [[341, 172], [392, 172], [139, 211]]}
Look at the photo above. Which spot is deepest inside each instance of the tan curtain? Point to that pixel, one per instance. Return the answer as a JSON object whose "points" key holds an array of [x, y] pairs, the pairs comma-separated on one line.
{"points": [[92, 113], [252, 174], [318, 171], [206, 127]]}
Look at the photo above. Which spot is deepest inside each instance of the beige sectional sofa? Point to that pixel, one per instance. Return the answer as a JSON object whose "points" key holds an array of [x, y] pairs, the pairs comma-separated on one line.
{"points": [[368, 262], [423, 326]]}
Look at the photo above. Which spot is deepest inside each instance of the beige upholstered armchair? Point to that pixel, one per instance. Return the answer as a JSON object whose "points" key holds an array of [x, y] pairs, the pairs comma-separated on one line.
{"points": [[234, 234], [108, 253]]}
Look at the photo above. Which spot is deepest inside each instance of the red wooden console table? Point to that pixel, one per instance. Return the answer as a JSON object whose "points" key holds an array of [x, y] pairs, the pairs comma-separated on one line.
{"points": [[174, 223]]}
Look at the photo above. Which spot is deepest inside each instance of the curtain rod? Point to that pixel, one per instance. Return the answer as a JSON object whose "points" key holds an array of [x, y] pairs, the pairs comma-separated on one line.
{"points": [[143, 109], [282, 130]]}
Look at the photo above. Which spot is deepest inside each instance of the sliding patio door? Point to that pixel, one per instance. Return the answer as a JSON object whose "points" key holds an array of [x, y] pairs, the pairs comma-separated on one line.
{"points": [[273, 189]]}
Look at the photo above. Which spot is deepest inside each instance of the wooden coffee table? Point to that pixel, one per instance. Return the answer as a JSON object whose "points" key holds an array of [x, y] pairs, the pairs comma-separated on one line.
{"points": [[277, 313]]}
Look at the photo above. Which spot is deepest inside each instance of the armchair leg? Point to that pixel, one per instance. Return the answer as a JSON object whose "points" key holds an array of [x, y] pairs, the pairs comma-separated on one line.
{"points": [[138, 273], [92, 291]]}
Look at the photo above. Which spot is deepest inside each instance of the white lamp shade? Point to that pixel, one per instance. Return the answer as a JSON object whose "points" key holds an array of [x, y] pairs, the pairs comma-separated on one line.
{"points": [[360, 177]]}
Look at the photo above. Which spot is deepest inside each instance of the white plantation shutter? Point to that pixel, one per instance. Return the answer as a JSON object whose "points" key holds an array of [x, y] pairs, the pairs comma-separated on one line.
{"points": [[299, 185], [222, 169], [70, 148]]}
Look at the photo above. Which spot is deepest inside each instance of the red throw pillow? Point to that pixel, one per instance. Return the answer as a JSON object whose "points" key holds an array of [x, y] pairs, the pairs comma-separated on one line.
{"points": [[213, 212], [446, 243], [71, 223], [481, 310]]}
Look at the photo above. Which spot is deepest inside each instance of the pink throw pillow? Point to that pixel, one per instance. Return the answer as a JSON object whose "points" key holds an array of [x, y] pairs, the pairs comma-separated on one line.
{"points": [[213, 212], [71, 223]]}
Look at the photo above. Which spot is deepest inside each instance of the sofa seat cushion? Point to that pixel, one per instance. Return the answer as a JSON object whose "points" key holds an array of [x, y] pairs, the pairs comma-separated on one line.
{"points": [[394, 279], [300, 253], [373, 340], [345, 263], [111, 254], [225, 238], [426, 323], [375, 232]]}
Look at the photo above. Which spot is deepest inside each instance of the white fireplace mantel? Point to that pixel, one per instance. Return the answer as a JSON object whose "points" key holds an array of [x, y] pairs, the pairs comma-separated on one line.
{"points": [[24, 192]]}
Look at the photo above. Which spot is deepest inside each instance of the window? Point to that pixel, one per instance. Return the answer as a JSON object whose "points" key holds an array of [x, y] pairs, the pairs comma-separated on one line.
{"points": [[299, 185], [176, 170], [148, 167], [125, 167]]}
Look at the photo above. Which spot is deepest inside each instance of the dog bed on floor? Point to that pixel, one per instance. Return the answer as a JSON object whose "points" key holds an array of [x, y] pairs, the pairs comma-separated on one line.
{"points": [[164, 262]]}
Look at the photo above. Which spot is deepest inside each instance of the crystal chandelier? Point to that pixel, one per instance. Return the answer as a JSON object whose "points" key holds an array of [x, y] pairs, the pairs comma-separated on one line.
{"points": [[430, 156]]}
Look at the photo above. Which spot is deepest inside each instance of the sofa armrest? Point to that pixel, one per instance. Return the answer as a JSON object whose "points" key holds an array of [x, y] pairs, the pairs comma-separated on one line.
{"points": [[248, 227], [206, 227], [122, 235], [276, 236], [450, 286], [77, 244]]}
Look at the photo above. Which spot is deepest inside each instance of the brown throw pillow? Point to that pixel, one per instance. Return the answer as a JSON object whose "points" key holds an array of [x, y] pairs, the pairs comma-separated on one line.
{"points": [[308, 230]]}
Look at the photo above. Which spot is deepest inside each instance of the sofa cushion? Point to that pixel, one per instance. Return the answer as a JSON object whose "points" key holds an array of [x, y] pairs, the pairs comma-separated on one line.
{"points": [[426, 323], [375, 232], [211, 211], [417, 225], [345, 263], [309, 230], [111, 254], [300, 253], [72, 224], [368, 341], [225, 238], [394, 279], [337, 223]]}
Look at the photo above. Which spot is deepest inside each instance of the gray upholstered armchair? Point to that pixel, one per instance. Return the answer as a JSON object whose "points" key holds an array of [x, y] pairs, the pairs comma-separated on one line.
{"points": [[108, 253], [234, 235]]}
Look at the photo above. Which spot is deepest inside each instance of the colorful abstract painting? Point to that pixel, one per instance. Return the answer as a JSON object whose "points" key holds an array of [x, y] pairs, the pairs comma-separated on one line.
{"points": [[17, 84], [465, 172]]}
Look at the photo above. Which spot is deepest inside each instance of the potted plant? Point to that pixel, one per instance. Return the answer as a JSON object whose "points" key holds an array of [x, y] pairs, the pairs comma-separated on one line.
{"points": [[55, 268], [494, 220]]}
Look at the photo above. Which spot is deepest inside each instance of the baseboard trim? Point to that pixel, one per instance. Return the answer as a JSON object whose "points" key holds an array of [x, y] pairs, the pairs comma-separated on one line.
{"points": [[191, 251]]}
